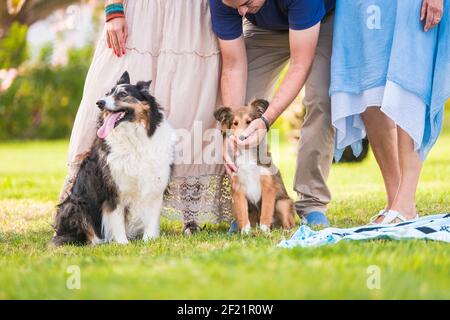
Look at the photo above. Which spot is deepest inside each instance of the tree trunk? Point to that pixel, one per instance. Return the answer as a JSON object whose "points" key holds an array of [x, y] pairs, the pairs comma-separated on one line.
{"points": [[31, 12]]}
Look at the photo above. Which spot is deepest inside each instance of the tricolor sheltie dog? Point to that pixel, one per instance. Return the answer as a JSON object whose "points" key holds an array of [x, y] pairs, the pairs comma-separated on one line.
{"points": [[118, 192], [257, 190]]}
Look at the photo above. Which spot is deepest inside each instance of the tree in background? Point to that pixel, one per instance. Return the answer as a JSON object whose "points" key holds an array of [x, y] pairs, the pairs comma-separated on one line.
{"points": [[27, 12], [15, 18], [13, 47], [42, 101], [38, 99]]}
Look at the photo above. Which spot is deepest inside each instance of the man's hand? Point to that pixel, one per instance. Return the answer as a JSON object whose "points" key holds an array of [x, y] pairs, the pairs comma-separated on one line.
{"points": [[431, 13], [252, 136]]}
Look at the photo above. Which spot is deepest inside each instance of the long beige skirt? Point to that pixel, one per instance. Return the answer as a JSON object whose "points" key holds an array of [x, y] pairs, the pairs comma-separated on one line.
{"points": [[171, 43]]}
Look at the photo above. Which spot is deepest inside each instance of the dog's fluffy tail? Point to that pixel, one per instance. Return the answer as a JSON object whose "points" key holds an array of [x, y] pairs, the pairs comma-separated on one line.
{"points": [[72, 224]]}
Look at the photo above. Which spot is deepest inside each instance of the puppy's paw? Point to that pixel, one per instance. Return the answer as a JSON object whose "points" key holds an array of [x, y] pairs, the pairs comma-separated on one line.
{"points": [[264, 228], [246, 230]]}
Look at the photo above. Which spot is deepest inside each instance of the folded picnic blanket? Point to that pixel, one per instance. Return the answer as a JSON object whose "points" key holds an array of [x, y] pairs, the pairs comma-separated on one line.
{"points": [[435, 227]]}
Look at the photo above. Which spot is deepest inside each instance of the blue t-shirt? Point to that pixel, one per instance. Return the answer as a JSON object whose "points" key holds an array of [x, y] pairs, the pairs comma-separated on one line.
{"points": [[279, 15]]}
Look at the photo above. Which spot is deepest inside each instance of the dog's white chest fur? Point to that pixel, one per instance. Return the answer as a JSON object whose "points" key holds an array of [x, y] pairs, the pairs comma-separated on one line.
{"points": [[249, 174], [140, 167]]}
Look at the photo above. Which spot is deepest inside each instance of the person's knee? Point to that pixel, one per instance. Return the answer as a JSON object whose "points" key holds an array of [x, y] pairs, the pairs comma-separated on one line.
{"points": [[318, 122], [318, 102], [317, 140]]}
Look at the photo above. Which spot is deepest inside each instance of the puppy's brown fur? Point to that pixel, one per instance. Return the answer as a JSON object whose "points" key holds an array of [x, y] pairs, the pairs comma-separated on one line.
{"points": [[274, 206]]}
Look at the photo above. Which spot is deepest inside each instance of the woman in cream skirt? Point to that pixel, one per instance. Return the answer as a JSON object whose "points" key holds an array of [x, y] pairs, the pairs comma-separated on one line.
{"points": [[171, 43]]}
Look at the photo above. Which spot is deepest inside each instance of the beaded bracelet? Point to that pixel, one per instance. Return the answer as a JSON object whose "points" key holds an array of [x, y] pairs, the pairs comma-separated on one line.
{"points": [[113, 11]]}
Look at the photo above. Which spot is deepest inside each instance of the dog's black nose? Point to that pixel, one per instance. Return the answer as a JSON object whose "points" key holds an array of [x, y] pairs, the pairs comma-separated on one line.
{"points": [[101, 104]]}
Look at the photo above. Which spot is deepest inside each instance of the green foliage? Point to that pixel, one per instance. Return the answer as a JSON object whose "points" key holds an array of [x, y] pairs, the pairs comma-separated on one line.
{"points": [[43, 100], [14, 48]]}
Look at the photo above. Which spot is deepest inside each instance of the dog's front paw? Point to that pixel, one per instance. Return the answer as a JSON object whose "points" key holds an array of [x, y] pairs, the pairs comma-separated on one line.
{"points": [[264, 228], [121, 240], [148, 237], [246, 230]]}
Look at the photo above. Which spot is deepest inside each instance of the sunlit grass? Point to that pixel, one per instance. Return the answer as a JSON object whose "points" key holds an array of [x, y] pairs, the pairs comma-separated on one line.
{"points": [[212, 264]]}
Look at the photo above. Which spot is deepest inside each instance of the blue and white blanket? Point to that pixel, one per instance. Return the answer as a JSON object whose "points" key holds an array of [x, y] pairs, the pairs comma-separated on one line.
{"points": [[435, 227]]}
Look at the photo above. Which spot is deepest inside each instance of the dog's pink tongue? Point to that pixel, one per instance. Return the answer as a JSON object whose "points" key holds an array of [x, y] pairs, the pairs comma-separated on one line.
{"points": [[108, 125]]}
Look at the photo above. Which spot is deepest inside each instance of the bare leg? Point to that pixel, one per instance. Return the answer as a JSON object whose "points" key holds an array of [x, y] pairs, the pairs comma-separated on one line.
{"points": [[411, 166], [382, 134]]}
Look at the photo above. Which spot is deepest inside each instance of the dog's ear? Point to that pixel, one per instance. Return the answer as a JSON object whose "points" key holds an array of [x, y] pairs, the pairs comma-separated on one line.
{"points": [[155, 115], [260, 105], [124, 79], [144, 85], [144, 89], [223, 114]]}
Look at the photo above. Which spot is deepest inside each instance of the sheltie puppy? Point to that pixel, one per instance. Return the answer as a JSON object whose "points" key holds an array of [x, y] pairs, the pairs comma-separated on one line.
{"points": [[257, 190], [118, 192]]}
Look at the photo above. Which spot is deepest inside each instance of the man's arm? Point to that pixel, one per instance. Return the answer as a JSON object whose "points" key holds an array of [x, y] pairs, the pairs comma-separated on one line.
{"points": [[303, 45], [234, 71], [234, 86]]}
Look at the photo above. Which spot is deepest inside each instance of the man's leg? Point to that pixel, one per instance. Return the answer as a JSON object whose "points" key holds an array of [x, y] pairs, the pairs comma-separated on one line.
{"points": [[316, 144], [267, 54]]}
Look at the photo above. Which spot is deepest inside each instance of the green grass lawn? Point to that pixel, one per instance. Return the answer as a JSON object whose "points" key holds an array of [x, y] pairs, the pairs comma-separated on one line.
{"points": [[211, 264]]}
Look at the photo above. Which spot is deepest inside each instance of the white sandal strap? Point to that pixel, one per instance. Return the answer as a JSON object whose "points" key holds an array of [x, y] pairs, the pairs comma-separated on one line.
{"points": [[392, 215], [381, 213]]}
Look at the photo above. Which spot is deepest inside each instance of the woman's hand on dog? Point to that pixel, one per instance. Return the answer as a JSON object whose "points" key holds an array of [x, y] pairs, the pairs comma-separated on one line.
{"points": [[117, 35], [252, 136]]}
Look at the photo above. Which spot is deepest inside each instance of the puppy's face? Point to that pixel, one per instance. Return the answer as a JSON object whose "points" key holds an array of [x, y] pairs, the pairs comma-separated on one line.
{"points": [[236, 120], [128, 103]]}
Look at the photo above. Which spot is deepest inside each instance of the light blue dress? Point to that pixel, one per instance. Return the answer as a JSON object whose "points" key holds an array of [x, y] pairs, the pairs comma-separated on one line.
{"points": [[382, 57]]}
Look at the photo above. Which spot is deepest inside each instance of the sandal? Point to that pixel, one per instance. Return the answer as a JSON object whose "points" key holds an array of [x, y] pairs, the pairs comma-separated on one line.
{"points": [[381, 213], [394, 217]]}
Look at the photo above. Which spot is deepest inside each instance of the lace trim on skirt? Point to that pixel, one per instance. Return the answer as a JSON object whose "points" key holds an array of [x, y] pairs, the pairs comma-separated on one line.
{"points": [[198, 199]]}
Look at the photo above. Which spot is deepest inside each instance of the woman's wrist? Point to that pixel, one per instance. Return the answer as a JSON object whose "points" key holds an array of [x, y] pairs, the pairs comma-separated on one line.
{"points": [[113, 11], [108, 2]]}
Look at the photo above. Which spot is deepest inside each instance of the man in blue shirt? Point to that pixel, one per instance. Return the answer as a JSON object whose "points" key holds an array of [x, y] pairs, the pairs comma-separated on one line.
{"points": [[254, 51]]}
